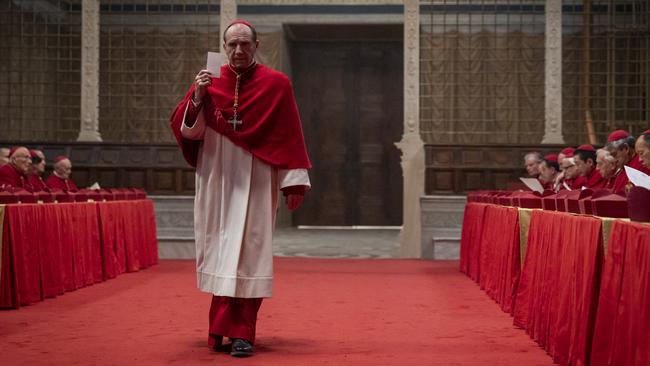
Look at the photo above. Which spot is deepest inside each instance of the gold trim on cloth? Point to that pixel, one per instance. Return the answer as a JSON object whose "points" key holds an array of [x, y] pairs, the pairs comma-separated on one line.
{"points": [[607, 230], [524, 223]]}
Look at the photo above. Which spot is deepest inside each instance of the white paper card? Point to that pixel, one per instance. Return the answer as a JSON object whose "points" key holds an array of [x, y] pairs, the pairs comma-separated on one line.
{"points": [[638, 178], [533, 184], [215, 61]]}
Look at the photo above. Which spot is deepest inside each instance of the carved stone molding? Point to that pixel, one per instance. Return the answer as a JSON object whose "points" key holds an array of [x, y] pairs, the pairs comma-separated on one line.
{"points": [[553, 90], [89, 129], [411, 145]]}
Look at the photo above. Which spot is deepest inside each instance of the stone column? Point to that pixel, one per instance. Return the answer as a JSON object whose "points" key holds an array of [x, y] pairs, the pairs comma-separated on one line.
{"points": [[553, 68], [411, 145], [228, 13], [89, 130]]}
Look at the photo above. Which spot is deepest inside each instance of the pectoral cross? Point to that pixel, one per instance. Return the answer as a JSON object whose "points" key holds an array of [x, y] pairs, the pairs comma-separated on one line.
{"points": [[234, 122]]}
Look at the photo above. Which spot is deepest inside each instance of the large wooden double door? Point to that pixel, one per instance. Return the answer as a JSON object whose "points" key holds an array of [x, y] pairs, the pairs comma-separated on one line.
{"points": [[349, 94]]}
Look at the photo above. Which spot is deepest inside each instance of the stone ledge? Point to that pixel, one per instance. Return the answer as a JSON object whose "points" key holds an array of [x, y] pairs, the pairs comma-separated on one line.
{"points": [[442, 222]]}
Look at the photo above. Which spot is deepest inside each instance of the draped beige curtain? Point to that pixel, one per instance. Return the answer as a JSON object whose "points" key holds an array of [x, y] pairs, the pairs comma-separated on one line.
{"points": [[482, 87]]}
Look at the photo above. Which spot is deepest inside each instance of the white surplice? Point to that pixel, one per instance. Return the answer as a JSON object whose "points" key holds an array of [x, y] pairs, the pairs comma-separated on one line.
{"points": [[234, 214]]}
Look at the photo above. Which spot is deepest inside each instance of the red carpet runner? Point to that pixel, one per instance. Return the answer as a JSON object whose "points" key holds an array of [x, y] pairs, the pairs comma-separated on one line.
{"points": [[324, 312]]}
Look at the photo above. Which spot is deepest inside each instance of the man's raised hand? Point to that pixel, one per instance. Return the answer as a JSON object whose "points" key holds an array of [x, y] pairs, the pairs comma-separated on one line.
{"points": [[201, 81]]}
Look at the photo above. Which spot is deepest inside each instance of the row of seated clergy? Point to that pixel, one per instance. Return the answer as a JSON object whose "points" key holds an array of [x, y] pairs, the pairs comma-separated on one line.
{"points": [[19, 195], [25, 169], [585, 167]]}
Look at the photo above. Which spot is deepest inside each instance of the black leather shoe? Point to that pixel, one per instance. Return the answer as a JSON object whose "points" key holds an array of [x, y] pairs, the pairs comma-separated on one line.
{"points": [[241, 348]]}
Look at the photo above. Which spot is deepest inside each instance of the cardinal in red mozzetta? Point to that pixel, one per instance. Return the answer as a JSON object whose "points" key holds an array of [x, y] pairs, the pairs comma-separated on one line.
{"points": [[242, 132], [15, 173], [60, 177]]}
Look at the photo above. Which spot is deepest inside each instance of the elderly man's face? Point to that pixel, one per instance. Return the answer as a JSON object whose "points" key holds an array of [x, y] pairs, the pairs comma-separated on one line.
{"points": [[21, 160], [643, 150], [532, 166], [621, 155], [38, 168], [4, 156], [570, 170], [583, 167], [606, 168], [63, 168], [547, 174], [239, 45]]}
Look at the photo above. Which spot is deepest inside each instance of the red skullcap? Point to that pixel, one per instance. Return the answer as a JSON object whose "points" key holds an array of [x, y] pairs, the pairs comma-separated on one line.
{"points": [[586, 148], [646, 132], [33, 154], [241, 21], [617, 135], [59, 158], [551, 157]]}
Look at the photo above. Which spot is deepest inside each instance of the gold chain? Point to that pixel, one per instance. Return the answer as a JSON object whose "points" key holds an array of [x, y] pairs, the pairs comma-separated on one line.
{"points": [[236, 101]]}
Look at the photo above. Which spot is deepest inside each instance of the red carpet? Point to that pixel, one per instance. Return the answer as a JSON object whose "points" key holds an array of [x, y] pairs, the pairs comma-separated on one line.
{"points": [[324, 312]]}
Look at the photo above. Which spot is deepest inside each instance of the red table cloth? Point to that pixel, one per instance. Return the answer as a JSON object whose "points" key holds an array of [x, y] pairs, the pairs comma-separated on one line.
{"points": [[489, 250], [470, 241], [558, 287], [48, 249], [499, 258], [622, 330]]}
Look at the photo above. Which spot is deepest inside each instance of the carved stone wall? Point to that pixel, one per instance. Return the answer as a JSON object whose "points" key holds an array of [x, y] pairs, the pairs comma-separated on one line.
{"points": [[175, 226], [442, 222]]}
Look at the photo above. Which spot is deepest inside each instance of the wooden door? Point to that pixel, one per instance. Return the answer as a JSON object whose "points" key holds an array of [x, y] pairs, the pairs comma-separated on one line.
{"points": [[349, 94]]}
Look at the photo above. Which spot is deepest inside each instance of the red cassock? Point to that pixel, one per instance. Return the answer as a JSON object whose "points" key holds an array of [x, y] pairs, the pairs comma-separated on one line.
{"points": [[579, 182], [594, 180], [233, 317], [11, 177], [271, 131], [66, 185], [37, 183], [622, 179]]}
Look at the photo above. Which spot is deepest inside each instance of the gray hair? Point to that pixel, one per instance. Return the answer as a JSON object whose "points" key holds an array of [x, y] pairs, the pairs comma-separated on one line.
{"points": [[538, 156], [618, 144], [607, 156]]}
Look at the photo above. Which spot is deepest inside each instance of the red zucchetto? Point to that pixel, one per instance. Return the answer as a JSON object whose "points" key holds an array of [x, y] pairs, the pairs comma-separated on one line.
{"points": [[617, 135]]}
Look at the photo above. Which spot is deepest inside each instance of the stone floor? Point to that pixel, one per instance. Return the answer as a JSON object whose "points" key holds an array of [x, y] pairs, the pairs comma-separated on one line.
{"points": [[336, 243], [321, 243]]}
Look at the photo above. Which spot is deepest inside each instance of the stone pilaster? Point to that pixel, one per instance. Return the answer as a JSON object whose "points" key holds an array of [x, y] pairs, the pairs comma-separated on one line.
{"points": [[228, 13], [553, 68], [411, 145], [89, 130]]}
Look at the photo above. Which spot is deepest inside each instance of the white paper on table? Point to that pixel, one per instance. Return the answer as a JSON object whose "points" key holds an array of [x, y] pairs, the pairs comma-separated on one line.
{"points": [[215, 60], [95, 186], [533, 184], [638, 178]]}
